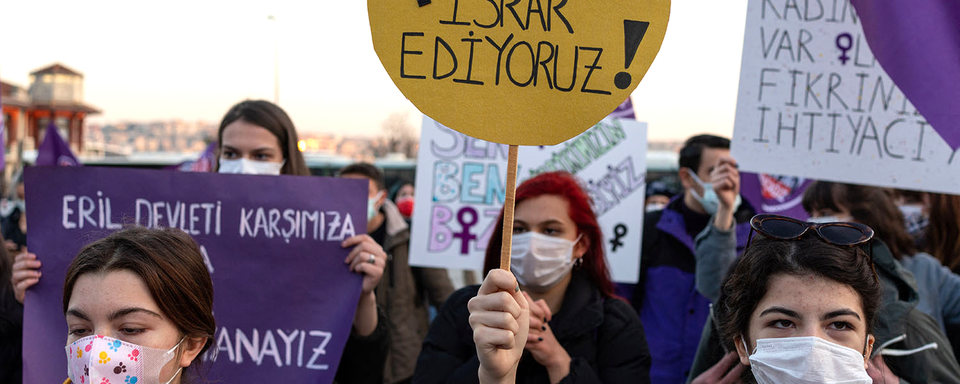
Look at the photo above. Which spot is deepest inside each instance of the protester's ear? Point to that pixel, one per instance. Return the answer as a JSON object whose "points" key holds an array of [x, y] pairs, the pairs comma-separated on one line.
{"points": [[742, 350], [686, 180]]}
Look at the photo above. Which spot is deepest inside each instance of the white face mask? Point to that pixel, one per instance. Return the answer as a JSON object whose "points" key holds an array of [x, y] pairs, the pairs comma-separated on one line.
{"points": [[250, 167], [806, 360], [102, 359], [709, 200], [540, 261], [372, 207]]}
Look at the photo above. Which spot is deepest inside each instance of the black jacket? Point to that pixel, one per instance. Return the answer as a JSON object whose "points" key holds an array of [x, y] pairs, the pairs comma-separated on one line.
{"points": [[603, 337], [364, 357]]}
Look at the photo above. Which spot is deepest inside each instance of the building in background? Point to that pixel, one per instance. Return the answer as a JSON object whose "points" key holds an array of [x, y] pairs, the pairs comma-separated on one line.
{"points": [[55, 92]]}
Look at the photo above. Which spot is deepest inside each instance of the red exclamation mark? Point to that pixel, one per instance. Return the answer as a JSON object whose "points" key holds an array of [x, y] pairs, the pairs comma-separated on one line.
{"points": [[633, 32]]}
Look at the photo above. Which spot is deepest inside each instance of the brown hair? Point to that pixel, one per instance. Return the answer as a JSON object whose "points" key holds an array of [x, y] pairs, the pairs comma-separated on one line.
{"points": [[170, 264], [271, 117], [746, 286], [942, 236], [871, 206]]}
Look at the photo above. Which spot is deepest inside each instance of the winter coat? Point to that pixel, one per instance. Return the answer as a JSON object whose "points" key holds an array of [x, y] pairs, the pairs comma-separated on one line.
{"points": [[900, 326], [603, 337], [405, 293], [364, 357], [672, 310]]}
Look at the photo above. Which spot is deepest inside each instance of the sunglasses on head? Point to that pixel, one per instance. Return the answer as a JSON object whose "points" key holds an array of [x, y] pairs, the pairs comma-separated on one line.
{"points": [[841, 234]]}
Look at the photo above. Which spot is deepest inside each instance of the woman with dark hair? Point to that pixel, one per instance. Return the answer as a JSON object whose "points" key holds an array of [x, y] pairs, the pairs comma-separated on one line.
{"points": [[801, 304], [139, 308], [257, 137], [939, 288], [578, 331]]}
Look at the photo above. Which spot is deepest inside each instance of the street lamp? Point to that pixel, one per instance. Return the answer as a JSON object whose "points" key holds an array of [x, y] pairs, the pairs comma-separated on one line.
{"points": [[276, 61]]}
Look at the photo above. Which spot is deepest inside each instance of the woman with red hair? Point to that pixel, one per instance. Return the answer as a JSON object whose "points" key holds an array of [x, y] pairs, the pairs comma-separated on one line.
{"points": [[577, 330]]}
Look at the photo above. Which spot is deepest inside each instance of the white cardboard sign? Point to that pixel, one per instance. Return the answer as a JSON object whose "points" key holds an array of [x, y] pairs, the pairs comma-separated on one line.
{"points": [[815, 103], [461, 187]]}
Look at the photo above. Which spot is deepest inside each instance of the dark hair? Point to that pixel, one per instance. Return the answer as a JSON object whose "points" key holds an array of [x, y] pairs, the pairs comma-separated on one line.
{"points": [[693, 149], [748, 283], [272, 118], [171, 266], [942, 236], [395, 189], [368, 170], [871, 206], [564, 185]]}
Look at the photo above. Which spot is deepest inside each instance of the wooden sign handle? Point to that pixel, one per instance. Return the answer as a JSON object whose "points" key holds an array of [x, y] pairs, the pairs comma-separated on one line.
{"points": [[508, 206]]}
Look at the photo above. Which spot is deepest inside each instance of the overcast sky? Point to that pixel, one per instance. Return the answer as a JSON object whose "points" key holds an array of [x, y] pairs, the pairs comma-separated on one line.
{"points": [[194, 59]]}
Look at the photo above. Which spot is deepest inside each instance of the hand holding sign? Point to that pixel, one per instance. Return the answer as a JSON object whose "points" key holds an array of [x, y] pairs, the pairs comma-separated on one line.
{"points": [[499, 339]]}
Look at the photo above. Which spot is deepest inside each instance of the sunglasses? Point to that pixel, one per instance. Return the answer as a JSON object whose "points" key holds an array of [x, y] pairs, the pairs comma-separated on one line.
{"points": [[839, 234]]}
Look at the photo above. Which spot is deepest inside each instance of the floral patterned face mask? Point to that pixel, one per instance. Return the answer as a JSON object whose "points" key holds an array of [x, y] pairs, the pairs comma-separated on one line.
{"points": [[105, 360]]}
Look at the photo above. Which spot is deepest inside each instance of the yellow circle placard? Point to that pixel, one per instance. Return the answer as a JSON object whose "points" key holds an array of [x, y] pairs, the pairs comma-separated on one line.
{"points": [[524, 72]]}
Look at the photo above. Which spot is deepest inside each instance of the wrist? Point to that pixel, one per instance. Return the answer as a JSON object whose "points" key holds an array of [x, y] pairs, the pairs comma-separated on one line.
{"points": [[368, 298], [723, 219], [487, 377], [560, 364]]}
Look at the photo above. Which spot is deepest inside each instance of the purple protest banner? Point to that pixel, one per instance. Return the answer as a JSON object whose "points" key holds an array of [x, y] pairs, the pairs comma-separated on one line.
{"points": [[780, 195], [55, 151], [918, 44], [283, 298]]}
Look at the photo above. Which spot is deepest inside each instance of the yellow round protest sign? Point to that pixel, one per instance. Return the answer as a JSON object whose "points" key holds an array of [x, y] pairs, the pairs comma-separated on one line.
{"points": [[520, 72]]}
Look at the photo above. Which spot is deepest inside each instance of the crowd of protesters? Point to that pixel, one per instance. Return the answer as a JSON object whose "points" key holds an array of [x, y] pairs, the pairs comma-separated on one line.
{"points": [[726, 294]]}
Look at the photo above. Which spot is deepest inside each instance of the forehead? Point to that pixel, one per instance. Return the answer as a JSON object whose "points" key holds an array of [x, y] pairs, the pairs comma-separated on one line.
{"points": [[241, 134], [543, 208], [809, 295], [99, 294], [709, 156]]}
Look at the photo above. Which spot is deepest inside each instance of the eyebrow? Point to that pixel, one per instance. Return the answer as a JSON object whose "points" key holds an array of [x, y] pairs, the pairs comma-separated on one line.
{"points": [[546, 222], [840, 312], [781, 310], [261, 149], [126, 311], [77, 313]]}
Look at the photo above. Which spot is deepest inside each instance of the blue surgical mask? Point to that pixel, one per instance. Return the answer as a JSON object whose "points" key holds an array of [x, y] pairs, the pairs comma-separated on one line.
{"points": [[372, 207], [709, 200]]}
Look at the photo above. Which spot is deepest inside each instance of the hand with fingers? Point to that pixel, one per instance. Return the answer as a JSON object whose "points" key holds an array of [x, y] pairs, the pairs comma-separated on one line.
{"points": [[880, 372], [26, 273], [542, 343], [499, 317], [366, 258], [726, 183], [721, 372]]}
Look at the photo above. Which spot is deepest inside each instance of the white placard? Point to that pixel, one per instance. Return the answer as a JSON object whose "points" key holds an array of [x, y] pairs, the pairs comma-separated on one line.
{"points": [[815, 103], [461, 187]]}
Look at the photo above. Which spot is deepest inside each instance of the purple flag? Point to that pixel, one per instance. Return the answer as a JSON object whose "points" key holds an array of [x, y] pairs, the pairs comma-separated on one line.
{"points": [[780, 195], [624, 110], [918, 45], [204, 163], [54, 151], [284, 300]]}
